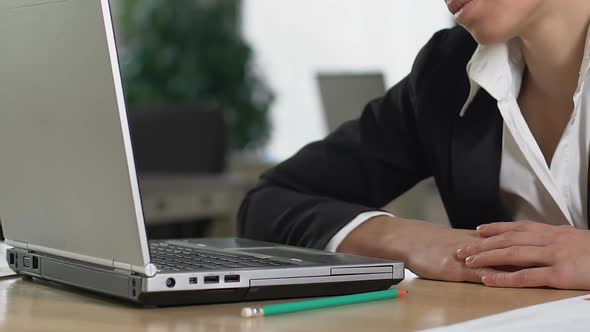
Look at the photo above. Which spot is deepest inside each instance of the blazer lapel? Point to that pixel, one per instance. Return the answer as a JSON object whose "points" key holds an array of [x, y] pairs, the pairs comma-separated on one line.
{"points": [[476, 156]]}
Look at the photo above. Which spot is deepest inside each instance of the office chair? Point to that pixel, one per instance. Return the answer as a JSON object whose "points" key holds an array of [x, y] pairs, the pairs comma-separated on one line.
{"points": [[178, 140]]}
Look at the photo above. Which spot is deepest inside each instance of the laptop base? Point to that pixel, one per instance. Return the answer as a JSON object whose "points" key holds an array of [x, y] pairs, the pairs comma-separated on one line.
{"points": [[128, 286]]}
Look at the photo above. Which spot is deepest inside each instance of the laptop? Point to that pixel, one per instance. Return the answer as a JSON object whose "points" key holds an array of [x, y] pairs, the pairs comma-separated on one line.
{"points": [[345, 95], [70, 203]]}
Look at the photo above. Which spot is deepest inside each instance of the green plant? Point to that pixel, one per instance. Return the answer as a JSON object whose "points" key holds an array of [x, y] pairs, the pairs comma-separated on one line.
{"points": [[191, 51]]}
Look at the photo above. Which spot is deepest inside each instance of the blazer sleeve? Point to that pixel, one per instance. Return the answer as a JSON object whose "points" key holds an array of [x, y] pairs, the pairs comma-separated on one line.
{"points": [[360, 167]]}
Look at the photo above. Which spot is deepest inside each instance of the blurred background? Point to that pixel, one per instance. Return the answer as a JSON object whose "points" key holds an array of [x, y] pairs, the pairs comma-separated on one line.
{"points": [[220, 90]]}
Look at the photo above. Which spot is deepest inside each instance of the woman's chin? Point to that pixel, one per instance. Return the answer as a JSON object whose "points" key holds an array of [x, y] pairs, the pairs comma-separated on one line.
{"points": [[488, 36]]}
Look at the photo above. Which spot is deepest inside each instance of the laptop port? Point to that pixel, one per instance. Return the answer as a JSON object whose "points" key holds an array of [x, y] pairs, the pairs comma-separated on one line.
{"points": [[211, 280], [35, 262], [232, 278], [11, 259], [27, 261], [170, 282], [193, 280]]}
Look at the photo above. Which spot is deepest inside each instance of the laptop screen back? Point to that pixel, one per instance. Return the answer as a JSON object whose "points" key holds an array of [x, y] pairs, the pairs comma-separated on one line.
{"points": [[67, 177]]}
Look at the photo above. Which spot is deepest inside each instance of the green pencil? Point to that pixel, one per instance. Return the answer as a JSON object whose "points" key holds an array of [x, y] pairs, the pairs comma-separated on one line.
{"points": [[286, 308]]}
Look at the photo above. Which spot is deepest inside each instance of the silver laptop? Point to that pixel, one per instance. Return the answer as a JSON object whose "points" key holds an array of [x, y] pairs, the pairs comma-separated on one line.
{"points": [[69, 199]]}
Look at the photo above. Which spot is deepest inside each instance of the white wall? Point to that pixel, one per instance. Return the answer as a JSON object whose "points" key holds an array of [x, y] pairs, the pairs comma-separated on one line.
{"points": [[295, 39]]}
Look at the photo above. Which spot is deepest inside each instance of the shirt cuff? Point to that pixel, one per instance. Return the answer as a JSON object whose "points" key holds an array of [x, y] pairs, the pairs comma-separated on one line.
{"points": [[356, 222]]}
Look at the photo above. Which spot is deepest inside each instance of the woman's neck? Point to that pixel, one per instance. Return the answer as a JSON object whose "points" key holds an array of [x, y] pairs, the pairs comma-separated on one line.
{"points": [[553, 48]]}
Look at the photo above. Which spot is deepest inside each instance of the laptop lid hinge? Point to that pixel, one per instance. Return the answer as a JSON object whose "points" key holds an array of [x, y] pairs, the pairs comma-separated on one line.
{"points": [[149, 270], [17, 244], [123, 266]]}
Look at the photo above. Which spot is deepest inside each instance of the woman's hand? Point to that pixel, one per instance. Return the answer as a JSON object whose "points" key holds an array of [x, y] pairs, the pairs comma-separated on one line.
{"points": [[552, 256], [428, 250]]}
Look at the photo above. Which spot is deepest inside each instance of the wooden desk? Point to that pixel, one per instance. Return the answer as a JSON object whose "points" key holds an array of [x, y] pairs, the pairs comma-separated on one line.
{"points": [[32, 306]]}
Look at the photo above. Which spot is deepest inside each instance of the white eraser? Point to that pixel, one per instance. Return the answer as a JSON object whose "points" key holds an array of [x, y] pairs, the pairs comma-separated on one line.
{"points": [[247, 312]]}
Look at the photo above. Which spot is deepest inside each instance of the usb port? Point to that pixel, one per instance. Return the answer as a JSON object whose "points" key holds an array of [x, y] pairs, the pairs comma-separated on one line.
{"points": [[35, 262], [211, 280], [11, 259], [192, 280], [232, 278]]}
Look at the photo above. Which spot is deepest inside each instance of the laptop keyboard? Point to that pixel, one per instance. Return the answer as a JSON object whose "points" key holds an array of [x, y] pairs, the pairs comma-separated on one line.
{"points": [[175, 258]]}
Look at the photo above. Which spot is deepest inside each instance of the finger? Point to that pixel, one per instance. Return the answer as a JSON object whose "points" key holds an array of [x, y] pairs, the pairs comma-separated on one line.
{"points": [[505, 240], [513, 256], [476, 275], [535, 277], [488, 230]]}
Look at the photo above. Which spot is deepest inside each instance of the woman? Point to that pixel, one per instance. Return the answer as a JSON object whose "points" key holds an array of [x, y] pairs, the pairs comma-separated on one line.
{"points": [[495, 110]]}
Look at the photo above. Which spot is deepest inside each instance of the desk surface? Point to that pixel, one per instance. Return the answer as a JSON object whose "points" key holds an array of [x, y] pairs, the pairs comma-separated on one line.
{"points": [[33, 306]]}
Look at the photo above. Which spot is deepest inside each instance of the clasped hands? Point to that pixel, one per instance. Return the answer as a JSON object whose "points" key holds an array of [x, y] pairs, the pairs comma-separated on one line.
{"points": [[530, 254]]}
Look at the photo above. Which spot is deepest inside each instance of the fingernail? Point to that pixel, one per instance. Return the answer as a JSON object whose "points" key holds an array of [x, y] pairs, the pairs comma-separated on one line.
{"points": [[460, 253], [470, 259], [481, 228], [487, 279]]}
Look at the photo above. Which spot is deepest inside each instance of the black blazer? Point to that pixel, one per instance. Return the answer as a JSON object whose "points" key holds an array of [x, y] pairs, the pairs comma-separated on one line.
{"points": [[412, 133]]}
